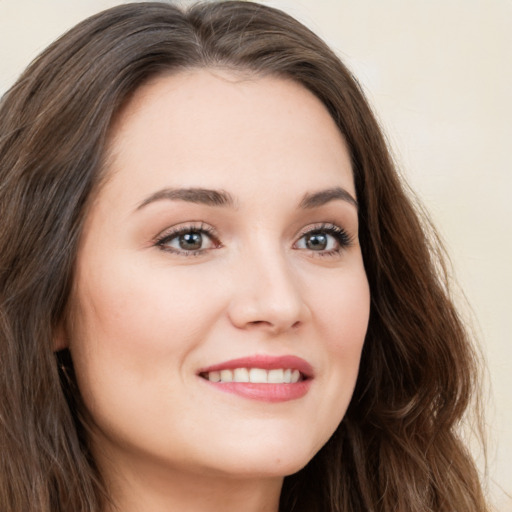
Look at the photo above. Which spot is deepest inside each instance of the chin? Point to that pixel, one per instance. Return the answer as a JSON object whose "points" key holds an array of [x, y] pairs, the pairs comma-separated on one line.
{"points": [[268, 461]]}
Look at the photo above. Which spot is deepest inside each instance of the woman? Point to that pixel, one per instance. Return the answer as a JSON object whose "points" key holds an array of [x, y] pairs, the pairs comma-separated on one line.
{"points": [[215, 292]]}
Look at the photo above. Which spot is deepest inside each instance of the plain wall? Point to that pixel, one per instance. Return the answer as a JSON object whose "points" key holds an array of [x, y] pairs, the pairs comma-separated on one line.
{"points": [[439, 76]]}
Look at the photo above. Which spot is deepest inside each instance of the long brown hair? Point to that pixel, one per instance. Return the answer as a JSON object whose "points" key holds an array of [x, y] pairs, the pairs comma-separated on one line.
{"points": [[397, 448]]}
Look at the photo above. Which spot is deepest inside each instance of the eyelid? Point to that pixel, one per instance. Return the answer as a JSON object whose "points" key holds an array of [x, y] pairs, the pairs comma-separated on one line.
{"points": [[175, 231], [342, 236]]}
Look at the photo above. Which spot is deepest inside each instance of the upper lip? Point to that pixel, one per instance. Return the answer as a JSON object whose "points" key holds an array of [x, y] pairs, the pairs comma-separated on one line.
{"points": [[266, 362]]}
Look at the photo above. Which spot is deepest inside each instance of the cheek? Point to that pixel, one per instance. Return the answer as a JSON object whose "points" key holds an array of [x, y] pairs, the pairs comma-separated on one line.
{"points": [[137, 309], [342, 310], [340, 304], [137, 323], [132, 333], [343, 307]]}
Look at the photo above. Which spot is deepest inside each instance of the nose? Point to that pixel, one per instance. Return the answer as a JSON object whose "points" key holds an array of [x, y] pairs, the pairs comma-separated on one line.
{"points": [[267, 295]]}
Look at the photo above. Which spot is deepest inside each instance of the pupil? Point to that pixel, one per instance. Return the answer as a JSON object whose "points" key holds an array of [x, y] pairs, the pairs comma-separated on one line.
{"points": [[316, 241], [191, 241]]}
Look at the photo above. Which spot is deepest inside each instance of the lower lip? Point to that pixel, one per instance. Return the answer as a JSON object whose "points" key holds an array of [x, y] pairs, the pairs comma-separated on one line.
{"points": [[264, 392]]}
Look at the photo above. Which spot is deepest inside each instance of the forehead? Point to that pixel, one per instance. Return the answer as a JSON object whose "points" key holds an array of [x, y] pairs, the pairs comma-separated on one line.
{"points": [[211, 127]]}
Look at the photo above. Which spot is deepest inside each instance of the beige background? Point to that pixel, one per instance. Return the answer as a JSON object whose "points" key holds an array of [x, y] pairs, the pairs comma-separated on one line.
{"points": [[439, 75]]}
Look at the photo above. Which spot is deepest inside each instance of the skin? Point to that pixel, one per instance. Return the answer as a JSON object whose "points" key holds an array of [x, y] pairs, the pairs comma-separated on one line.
{"points": [[147, 316]]}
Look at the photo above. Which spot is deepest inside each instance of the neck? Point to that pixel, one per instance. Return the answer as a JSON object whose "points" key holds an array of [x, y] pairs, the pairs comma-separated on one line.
{"points": [[150, 489]]}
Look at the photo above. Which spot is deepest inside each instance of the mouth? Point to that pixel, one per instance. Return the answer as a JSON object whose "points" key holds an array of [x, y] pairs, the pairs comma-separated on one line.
{"points": [[255, 375], [264, 378]]}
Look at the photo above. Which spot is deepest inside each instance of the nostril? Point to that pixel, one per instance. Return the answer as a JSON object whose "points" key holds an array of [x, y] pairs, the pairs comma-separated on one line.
{"points": [[272, 327], [259, 324]]}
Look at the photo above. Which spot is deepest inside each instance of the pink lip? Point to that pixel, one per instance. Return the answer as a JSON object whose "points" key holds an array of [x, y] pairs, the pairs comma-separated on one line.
{"points": [[264, 392]]}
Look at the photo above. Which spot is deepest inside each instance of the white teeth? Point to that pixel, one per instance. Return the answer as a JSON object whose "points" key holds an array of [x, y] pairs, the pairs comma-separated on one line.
{"points": [[241, 375], [276, 376], [255, 376], [225, 376], [214, 376], [258, 376]]}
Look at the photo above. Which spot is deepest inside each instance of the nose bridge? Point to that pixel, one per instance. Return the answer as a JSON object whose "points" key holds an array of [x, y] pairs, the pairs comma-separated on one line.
{"points": [[267, 293]]}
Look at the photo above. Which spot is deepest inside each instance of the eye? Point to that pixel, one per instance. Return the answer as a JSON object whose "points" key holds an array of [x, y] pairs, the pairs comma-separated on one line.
{"points": [[188, 240], [325, 239]]}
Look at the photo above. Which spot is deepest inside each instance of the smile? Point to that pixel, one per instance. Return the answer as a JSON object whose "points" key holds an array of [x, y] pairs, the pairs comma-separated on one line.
{"points": [[255, 375], [262, 378]]}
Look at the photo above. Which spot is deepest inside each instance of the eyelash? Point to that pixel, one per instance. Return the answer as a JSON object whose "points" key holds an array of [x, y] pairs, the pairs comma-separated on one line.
{"points": [[202, 229], [342, 238]]}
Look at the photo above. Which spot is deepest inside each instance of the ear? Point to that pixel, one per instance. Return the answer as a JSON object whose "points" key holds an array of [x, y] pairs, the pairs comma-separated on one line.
{"points": [[60, 338]]}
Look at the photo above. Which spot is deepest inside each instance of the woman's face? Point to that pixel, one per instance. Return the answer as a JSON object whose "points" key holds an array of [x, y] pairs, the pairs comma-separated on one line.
{"points": [[222, 248]]}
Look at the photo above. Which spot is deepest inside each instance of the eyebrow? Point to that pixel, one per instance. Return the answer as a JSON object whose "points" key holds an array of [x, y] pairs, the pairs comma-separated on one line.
{"points": [[316, 199], [191, 195], [211, 197]]}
